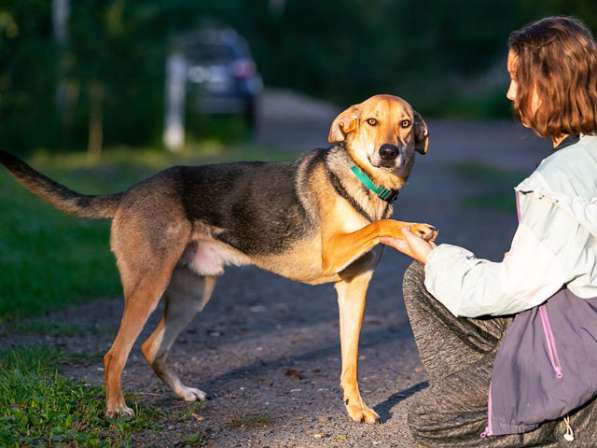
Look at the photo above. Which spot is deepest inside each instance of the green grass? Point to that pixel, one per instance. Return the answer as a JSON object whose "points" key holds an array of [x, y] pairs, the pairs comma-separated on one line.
{"points": [[192, 440], [40, 407], [42, 328], [495, 185], [50, 260]]}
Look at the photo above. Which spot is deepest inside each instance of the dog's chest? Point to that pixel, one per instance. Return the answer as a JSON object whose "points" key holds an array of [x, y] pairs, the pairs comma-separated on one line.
{"points": [[352, 221], [373, 208]]}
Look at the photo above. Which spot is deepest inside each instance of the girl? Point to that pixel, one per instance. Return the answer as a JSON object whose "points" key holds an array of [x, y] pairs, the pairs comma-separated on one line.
{"points": [[528, 377]]}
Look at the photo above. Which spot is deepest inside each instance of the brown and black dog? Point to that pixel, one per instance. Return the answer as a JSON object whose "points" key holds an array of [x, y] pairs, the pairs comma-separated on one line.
{"points": [[312, 221]]}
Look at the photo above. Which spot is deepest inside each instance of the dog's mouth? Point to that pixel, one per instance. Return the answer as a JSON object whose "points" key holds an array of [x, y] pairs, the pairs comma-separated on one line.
{"points": [[389, 165]]}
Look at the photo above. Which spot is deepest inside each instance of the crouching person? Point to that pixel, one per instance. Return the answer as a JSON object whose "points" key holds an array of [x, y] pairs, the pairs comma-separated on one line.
{"points": [[510, 347]]}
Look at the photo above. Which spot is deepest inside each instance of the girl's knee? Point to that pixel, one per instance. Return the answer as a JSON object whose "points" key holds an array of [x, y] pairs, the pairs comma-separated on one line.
{"points": [[414, 280], [435, 423], [420, 418]]}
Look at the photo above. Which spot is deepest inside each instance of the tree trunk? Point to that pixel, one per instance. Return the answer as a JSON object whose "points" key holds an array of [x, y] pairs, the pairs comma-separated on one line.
{"points": [[96, 121]]}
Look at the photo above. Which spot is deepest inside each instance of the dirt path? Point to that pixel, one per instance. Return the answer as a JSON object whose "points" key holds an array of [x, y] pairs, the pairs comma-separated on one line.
{"points": [[267, 350]]}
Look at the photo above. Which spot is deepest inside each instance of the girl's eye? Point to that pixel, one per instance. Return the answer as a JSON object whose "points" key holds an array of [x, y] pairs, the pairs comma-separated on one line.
{"points": [[405, 123], [372, 122]]}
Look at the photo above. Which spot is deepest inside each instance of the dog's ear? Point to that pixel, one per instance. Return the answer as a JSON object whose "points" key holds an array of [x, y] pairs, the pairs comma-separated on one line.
{"points": [[344, 124], [421, 134]]}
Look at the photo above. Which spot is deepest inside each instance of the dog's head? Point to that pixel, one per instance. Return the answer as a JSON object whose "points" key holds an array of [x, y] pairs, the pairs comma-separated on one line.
{"points": [[381, 135]]}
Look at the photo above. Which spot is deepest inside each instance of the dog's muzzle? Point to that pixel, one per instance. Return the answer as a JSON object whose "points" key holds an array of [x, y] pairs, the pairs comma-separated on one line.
{"points": [[388, 156]]}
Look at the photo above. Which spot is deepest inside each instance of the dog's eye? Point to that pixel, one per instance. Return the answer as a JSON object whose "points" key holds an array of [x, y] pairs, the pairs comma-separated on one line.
{"points": [[405, 123], [372, 122]]}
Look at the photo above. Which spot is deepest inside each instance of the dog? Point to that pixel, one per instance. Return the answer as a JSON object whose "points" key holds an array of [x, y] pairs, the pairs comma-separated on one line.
{"points": [[316, 220]]}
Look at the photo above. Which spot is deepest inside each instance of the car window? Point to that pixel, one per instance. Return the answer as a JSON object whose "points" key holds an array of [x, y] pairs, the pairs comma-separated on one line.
{"points": [[210, 53]]}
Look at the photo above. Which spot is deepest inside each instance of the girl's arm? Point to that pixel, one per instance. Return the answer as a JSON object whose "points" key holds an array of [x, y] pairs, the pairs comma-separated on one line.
{"points": [[545, 244]]}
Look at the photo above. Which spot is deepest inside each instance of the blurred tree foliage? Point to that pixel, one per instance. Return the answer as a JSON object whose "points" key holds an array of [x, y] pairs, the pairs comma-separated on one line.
{"points": [[445, 56]]}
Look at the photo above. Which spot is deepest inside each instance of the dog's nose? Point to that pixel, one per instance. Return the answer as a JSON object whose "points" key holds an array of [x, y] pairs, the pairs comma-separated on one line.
{"points": [[388, 152]]}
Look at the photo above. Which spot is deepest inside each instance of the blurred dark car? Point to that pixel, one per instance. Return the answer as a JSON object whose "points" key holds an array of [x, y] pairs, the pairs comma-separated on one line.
{"points": [[220, 66]]}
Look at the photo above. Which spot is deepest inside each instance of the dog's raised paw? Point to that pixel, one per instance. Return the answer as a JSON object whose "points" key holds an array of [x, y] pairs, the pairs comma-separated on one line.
{"points": [[191, 394], [425, 231]]}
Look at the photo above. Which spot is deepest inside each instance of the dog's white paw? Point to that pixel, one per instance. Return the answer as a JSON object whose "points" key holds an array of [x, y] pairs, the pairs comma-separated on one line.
{"points": [[360, 413], [122, 410], [191, 394]]}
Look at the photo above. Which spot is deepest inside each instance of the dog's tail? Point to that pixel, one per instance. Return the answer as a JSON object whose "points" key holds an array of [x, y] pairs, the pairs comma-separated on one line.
{"points": [[59, 196]]}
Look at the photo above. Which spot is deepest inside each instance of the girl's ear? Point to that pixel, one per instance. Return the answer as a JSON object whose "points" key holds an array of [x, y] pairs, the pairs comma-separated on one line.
{"points": [[421, 134]]}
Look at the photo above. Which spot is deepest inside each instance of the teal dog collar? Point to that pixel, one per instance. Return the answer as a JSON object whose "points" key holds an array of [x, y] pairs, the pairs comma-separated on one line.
{"points": [[382, 192]]}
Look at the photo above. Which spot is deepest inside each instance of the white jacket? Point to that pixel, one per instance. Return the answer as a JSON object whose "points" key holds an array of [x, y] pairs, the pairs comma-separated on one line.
{"points": [[555, 243]]}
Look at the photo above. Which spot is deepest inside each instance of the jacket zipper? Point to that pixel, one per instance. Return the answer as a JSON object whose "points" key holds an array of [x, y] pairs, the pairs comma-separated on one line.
{"points": [[551, 342], [489, 428]]}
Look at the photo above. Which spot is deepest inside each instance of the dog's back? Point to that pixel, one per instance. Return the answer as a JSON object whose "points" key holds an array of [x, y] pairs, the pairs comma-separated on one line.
{"points": [[259, 208], [258, 205]]}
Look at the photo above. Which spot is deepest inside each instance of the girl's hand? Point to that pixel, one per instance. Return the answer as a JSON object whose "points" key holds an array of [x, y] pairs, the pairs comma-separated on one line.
{"points": [[412, 245]]}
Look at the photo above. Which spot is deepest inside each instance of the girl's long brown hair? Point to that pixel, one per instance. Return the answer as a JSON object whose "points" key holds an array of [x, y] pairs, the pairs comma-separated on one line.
{"points": [[556, 58]]}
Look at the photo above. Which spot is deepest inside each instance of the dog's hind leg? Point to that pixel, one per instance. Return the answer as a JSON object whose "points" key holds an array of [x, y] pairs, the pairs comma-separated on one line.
{"points": [[187, 294], [142, 294], [147, 242]]}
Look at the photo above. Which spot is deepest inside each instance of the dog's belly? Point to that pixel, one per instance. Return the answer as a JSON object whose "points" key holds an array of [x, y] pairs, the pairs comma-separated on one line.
{"points": [[209, 257], [301, 261]]}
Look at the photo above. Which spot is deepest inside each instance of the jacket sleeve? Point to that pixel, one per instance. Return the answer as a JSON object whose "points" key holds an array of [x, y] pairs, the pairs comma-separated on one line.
{"points": [[535, 267]]}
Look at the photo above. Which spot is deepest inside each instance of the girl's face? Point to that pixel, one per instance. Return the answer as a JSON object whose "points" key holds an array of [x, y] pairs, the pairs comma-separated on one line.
{"points": [[513, 87], [512, 93]]}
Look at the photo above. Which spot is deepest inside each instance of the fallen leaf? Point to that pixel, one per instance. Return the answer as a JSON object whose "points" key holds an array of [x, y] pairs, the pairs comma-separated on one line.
{"points": [[294, 373]]}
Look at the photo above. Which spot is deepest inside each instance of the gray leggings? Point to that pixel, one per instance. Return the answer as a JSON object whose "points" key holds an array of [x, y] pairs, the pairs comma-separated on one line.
{"points": [[458, 356]]}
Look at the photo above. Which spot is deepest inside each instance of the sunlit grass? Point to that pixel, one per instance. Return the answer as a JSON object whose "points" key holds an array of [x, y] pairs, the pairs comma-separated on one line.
{"points": [[40, 407], [45, 328]]}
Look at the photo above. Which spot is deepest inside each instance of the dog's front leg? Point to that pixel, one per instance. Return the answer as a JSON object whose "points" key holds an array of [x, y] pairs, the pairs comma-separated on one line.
{"points": [[341, 249], [351, 302]]}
